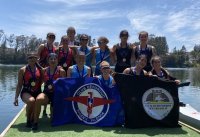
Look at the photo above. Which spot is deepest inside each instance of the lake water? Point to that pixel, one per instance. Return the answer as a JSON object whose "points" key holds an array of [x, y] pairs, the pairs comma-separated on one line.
{"points": [[8, 79]]}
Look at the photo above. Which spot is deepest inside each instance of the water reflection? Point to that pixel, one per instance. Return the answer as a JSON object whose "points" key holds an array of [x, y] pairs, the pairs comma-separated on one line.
{"points": [[191, 94], [8, 80], [184, 74]]}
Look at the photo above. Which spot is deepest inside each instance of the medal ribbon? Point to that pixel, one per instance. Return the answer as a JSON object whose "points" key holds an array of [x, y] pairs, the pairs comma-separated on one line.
{"points": [[79, 72], [32, 72], [49, 74], [65, 55]]}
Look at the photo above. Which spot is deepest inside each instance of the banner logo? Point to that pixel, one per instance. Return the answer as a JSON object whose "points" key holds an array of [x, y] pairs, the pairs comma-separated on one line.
{"points": [[90, 103], [157, 103]]}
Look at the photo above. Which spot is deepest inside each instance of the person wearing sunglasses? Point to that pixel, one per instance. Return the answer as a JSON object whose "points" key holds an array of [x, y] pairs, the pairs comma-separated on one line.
{"points": [[79, 70], [123, 52], [139, 67], [65, 54], [45, 49], [105, 76], [51, 73], [89, 51], [145, 49], [103, 53], [29, 86]]}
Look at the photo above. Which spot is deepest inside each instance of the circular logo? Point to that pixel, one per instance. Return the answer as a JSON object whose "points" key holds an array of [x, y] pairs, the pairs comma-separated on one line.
{"points": [[157, 103], [91, 106]]}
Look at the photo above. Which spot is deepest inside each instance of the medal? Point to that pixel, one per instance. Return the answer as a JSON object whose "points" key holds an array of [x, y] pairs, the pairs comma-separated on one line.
{"points": [[50, 87], [124, 60], [65, 65], [33, 84]]}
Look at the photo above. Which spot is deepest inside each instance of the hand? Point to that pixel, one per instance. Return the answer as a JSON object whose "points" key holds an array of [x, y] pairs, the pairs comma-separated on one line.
{"points": [[16, 102], [113, 74], [177, 82]]}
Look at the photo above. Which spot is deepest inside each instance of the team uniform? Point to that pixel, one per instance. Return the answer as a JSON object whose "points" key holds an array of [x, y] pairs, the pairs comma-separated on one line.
{"points": [[108, 82], [48, 81], [147, 52], [88, 55], [44, 55], [133, 71], [163, 74], [65, 59], [123, 58], [32, 81], [101, 56], [75, 73]]}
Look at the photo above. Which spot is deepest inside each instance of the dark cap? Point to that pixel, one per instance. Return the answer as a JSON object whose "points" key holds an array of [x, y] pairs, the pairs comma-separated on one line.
{"points": [[51, 34]]}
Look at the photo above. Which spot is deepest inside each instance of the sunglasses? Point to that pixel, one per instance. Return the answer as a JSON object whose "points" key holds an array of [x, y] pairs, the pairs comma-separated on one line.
{"points": [[32, 58], [100, 42], [105, 67], [51, 37], [65, 40], [84, 39]]}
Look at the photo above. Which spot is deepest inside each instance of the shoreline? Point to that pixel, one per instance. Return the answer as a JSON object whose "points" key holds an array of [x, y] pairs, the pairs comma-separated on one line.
{"points": [[12, 122]]}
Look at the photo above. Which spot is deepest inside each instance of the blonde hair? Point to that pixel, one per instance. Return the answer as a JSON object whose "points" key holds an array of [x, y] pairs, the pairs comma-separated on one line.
{"points": [[104, 63]]}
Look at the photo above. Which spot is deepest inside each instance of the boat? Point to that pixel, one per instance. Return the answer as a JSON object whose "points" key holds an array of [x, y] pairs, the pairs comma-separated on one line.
{"points": [[190, 116]]}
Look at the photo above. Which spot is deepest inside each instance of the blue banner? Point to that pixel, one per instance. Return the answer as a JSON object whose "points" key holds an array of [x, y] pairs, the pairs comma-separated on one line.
{"points": [[86, 101]]}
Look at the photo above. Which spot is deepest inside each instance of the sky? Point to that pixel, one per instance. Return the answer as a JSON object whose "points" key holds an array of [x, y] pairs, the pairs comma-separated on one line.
{"points": [[177, 20]]}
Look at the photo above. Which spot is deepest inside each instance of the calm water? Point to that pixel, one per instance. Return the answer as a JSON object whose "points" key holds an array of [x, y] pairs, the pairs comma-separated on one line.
{"points": [[8, 79]]}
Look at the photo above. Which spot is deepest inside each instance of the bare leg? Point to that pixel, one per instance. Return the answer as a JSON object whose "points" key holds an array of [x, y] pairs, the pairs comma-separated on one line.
{"points": [[30, 101], [41, 99]]}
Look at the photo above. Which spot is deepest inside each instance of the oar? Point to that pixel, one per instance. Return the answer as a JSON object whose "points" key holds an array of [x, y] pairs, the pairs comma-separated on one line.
{"points": [[184, 84]]}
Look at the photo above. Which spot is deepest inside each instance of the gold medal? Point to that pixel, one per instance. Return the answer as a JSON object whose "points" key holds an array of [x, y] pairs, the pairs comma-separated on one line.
{"points": [[32, 84], [65, 65], [124, 60], [50, 87]]}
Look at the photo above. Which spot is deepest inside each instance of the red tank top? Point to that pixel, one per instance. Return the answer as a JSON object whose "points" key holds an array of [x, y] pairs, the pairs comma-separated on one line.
{"points": [[55, 76], [44, 54], [35, 76], [65, 58]]}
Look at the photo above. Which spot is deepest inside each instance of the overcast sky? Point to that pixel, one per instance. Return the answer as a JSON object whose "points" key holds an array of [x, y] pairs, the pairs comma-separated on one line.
{"points": [[177, 20]]}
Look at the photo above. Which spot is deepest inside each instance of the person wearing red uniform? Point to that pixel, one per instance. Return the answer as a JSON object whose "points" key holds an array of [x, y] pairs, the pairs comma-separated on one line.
{"points": [[29, 86], [51, 73], [65, 54], [45, 49]]}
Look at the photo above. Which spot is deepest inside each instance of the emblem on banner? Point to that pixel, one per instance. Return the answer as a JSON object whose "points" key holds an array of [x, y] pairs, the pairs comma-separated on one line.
{"points": [[157, 103], [90, 103]]}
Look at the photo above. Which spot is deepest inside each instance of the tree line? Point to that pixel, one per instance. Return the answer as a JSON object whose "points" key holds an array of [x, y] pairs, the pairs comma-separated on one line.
{"points": [[13, 50]]}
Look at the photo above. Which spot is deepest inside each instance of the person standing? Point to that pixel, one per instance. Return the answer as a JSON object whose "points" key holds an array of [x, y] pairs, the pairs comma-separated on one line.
{"points": [[103, 53], [45, 49], [71, 32], [65, 54], [89, 51], [145, 49], [122, 52]]}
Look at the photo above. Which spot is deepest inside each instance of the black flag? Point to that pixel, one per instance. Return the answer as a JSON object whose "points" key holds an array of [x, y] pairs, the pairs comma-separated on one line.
{"points": [[148, 101]]}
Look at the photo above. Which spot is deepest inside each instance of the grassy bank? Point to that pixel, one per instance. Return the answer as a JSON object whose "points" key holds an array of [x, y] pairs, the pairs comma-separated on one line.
{"points": [[18, 129]]}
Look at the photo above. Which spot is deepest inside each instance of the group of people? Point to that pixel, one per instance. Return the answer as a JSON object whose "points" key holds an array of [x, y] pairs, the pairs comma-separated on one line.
{"points": [[75, 59]]}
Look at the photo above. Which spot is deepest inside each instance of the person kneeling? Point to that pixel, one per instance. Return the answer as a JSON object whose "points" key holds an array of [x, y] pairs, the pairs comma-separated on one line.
{"points": [[51, 73]]}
